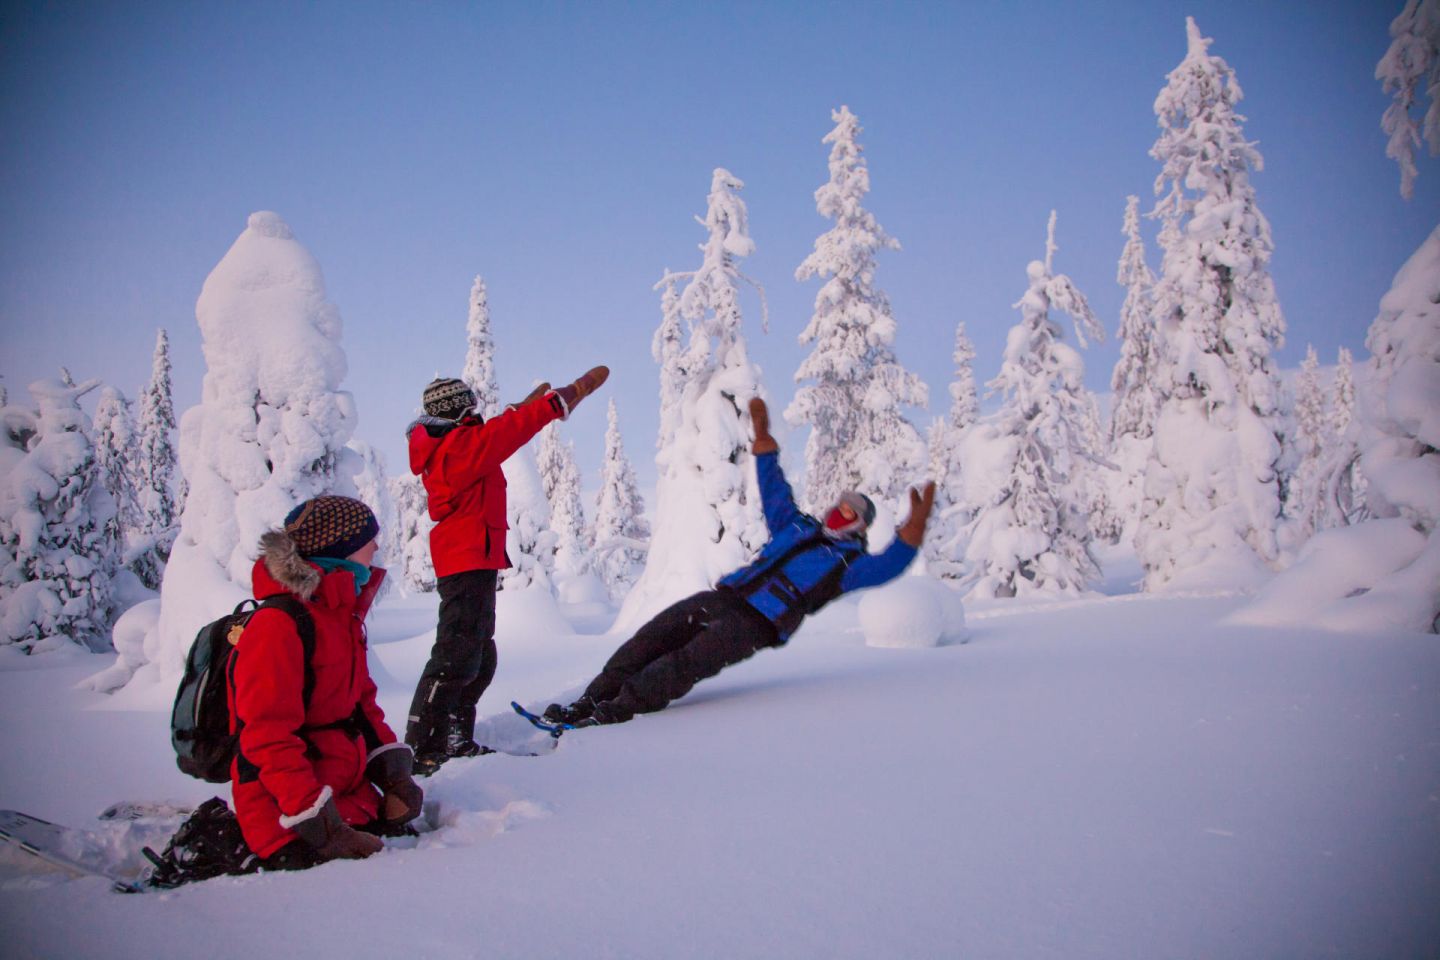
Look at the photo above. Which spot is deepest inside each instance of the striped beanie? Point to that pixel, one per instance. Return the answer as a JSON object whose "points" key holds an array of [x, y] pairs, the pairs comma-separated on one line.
{"points": [[331, 526], [448, 398]]}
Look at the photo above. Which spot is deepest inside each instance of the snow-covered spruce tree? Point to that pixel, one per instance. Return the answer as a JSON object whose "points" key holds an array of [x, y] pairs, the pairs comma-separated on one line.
{"points": [[1382, 572], [1136, 402], [270, 430], [1303, 494], [413, 533], [479, 370], [944, 544], [372, 486], [155, 468], [57, 555], [1211, 497], [707, 515], [1411, 62], [1030, 535], [115, 443], [621, 532], [1133, 380], [859, 436], [560, 478]]}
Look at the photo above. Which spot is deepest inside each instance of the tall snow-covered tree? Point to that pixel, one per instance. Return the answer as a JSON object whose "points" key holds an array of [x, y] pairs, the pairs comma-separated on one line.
{"points": [[1211, 502], [57, 555], [1030, 534], [859, 438], [413, 525], [270, 431], [621, 532], [943, 544], [372, 486], [1383, 572], [1133, 380], [479, 370], [560, 478], [1304, 498], [1411, 63], [707, 517], [155, 463], [115, 442], [1342, 411]]}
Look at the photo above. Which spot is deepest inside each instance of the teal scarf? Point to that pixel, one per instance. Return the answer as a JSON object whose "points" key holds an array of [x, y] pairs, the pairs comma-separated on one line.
{"points": [[361, 573]]}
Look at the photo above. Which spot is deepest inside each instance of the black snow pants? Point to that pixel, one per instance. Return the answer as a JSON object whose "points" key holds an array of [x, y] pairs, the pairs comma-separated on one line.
{"points": [[462, 661], [682, 645]]}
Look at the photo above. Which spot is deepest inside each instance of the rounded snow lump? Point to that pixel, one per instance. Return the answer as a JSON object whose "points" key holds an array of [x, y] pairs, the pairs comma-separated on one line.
{"points": [[912, 612]]}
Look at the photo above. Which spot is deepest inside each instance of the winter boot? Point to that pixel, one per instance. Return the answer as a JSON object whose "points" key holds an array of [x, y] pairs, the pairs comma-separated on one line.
{"points": [[581, 709], [426, 737], [460, 735]]}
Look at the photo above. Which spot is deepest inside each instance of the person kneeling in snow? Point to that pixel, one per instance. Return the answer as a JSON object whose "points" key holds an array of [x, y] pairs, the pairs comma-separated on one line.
{"points": [[806, 564], [315, 758]]}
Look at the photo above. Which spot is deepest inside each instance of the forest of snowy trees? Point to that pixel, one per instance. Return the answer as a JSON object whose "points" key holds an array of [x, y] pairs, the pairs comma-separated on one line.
{"points": [[126, 529]]}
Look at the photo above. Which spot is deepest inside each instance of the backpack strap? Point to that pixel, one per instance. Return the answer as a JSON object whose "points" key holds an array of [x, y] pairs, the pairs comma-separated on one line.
{"points": [[305, 626]]}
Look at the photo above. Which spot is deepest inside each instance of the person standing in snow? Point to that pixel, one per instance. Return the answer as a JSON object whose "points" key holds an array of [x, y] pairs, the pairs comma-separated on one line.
{"points": [[457, 454], [807, 563], [315, 758]]}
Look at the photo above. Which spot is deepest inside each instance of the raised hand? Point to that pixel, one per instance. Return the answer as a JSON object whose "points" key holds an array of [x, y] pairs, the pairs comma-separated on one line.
{"points": [[573, 393], [760, 418], [921, 501]]}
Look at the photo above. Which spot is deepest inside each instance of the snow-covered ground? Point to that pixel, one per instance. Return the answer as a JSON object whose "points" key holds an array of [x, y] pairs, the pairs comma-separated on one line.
{"points": [[1109, 777]]}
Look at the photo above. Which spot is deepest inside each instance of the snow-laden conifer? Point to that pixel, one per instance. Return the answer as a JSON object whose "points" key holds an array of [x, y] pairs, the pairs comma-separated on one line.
{"points": [[621, 533], [1030, 534], [1383, 571], [859, 438], [560, 478], [372, 486], [1211, 498], [707, 515], [943, 541], [479, 370], [413, 525], [1133, 380], [57, 551], [270, 430], [1411, 63], [1304, 497], [115, 443], [155, 463]]}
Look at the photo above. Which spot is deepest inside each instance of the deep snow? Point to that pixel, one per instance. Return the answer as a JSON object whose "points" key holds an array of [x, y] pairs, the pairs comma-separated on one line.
{"points": [[1108, 777]]}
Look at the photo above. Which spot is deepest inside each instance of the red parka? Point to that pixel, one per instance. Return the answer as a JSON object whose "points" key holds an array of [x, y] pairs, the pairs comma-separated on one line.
{"points": [[283, 772], [459, 464]]}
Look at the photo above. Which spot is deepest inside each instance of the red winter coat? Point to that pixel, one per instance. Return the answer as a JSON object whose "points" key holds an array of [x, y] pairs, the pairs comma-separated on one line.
{"points": [[460, 467], [283, 774]]}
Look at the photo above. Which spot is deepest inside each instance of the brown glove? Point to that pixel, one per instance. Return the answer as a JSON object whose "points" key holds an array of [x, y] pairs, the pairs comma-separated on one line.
{"points": [[760, 419], [913, 530], [390, 770], [573, 393], [332, 838]]}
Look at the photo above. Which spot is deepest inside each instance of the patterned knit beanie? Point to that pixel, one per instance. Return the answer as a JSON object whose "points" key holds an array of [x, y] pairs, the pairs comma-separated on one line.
{"points": [[331, 526], [448, 398]]}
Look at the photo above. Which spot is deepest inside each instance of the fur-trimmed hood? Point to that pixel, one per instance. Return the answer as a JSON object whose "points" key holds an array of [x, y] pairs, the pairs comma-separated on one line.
{"points": [[283, 562]]}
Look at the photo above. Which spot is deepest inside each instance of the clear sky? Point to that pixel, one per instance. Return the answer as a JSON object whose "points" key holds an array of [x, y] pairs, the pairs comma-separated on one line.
{"points": [[562, 150]]}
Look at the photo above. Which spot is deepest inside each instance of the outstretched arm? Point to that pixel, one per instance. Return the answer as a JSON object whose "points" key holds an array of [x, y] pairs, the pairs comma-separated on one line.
{"points": [[871, 570], [777, 500]]}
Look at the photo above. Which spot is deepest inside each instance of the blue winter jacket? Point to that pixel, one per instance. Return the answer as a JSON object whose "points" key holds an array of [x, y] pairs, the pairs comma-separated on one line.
{"points": [[801, 569]]}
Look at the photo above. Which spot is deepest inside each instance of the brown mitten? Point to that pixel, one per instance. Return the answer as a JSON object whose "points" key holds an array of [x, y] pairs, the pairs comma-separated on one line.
{"points": [[332, 838], [572, 394], [913, 530], [390, 770], [760, 418]]}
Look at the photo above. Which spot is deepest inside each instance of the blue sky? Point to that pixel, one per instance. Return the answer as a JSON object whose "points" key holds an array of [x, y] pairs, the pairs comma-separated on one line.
{"points": [[562, 150]]}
